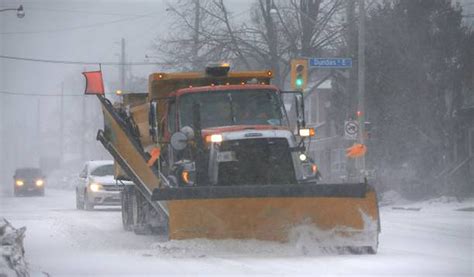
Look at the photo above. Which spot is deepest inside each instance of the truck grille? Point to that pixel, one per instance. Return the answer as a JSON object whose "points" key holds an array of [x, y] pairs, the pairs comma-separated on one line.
{"points": [[260, 161]]}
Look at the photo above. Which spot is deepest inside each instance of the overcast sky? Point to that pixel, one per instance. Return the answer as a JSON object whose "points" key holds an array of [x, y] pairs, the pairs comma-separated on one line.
{"points": [[75, 30], [79, 30], [72, 30]]}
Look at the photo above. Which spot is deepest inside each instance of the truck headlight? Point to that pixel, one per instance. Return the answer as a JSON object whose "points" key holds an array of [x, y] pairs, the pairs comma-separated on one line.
{"points": [[307, 132], [95, 187], [39, 183], [19, 183], [214, 138]]}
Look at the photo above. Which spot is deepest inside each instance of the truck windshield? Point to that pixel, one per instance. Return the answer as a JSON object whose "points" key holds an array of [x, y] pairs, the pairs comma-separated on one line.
{"points": [[233, 107]]}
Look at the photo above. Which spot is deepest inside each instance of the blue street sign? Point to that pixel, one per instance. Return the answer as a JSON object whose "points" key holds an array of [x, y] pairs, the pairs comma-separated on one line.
{"points": [[330, 62]]}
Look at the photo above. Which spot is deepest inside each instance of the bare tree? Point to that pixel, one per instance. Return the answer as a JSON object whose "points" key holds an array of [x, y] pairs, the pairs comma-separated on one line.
{"points": [[277, 31]]}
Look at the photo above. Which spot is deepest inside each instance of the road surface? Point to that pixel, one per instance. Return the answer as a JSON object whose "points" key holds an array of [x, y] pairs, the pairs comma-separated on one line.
{"points": [[62, 241]]}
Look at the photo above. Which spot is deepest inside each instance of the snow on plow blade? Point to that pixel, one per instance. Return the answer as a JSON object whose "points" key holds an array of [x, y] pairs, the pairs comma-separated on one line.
{"points": [[273, 212]]}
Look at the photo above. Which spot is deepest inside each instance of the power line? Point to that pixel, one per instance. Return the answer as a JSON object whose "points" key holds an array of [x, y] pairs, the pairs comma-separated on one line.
{"points": [[39, 94], [81, 27], [81, 11], [78, 62], [52, 94]]}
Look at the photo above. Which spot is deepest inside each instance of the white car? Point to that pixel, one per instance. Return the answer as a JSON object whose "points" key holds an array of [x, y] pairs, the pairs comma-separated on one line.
{"points": [[96, 186]]}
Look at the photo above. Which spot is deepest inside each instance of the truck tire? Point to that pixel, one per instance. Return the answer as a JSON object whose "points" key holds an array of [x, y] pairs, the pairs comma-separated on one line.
{"points": [[87, 204], [146, 220], [138, 214], [127, 213]]}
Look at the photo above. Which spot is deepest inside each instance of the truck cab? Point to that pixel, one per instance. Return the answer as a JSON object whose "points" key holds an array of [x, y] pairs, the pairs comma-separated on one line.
{"points": [[230, 134]]}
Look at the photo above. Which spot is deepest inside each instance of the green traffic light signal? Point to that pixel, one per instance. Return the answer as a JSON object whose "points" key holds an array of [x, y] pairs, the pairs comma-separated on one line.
{"points": [[299, 81]]}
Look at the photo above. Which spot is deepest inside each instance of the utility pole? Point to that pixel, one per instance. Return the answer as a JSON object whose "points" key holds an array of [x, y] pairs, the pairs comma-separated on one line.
{"points": [[197, 10], [61, 125], [351, 49], [122, 64], [273, 42], [38, 130], [3, 135], [83, 129], [352, 79], [361, 81]]}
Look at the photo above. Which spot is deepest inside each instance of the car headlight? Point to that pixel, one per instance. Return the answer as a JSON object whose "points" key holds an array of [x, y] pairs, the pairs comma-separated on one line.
{"points": [[19, 183], [95, 187], [39, 183]]}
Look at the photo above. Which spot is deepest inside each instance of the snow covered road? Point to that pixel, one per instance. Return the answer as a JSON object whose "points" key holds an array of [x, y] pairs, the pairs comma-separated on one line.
{"points": [[62, 241]]}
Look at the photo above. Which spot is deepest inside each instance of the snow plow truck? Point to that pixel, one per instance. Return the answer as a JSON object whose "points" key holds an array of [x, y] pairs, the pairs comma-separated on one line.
{"points": [[212, 155]]}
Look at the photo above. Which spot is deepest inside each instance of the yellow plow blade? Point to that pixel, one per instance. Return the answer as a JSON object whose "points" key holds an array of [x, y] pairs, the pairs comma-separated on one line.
{"points": [[355, 219]]}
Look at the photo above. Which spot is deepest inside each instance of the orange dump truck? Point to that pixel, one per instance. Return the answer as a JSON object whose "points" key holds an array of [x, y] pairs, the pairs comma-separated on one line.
{"points": [[212, 155]]}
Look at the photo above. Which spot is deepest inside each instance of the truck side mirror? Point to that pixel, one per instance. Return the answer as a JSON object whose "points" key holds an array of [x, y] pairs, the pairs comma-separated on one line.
{"points": [[179, 141], [153, 121], [299, 104]]}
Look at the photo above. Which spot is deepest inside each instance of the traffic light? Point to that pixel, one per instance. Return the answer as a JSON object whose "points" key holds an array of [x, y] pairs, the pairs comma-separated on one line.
{"points": [[299, 74]]}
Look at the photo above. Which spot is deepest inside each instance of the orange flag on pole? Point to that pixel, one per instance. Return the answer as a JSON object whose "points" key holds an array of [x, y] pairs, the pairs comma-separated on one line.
{"points": [[155, 154], [94, 82]]}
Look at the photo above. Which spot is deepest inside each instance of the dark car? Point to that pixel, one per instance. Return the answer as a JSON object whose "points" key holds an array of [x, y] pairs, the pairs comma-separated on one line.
{"points": [[28, 181]]}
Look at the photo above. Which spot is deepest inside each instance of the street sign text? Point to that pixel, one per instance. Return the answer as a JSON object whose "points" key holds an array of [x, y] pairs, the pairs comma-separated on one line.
{"points": [[330, 62]]}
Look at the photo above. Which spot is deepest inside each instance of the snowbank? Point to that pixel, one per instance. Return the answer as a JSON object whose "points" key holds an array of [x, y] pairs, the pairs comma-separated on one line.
{"points": [[12, 261], [448, 201], [394, 200], [392, 197]]}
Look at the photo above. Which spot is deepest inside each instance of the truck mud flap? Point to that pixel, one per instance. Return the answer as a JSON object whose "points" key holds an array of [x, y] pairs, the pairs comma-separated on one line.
{"points": [[357, 190]]}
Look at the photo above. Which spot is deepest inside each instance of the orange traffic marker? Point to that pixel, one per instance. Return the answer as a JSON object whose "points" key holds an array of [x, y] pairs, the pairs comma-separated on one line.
{"points": [[355, 151]]}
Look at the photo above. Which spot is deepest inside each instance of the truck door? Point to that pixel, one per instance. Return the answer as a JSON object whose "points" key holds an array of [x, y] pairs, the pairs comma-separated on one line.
{"points": [[169, 128]]}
